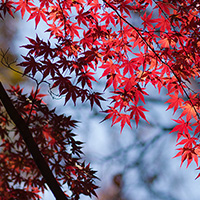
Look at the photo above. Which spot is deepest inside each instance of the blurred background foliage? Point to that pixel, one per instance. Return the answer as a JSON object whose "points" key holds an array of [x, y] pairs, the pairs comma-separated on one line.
{"points": [[8, 30]]}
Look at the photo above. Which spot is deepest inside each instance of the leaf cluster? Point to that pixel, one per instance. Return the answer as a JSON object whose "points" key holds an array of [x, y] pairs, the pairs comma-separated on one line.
{"points": [[86, 37], [53, 134]]}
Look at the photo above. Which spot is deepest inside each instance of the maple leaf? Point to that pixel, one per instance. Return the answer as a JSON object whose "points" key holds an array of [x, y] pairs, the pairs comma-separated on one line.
{"points": [[112, 112], [137, 112], [172, 86], [124, 6], [23, 6], [37, 13], [187, 154], [39, 48], [86, 77], [73, 29], [45, 3], [175, 102], [163, 24], [113, 74], [147, 20], [95, 5], [164, 6], [125, 119], [49, 68], [109, 18], [189, 111], [82, 16], [128, 67], [164, 43], [37, 95], [6, 6], [30, 65], [96, 97], [55, 30], [182, 126], [188, 142]]}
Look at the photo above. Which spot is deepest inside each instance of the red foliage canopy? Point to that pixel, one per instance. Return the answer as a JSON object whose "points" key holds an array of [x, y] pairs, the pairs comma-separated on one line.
{"points": [[88, 35]]}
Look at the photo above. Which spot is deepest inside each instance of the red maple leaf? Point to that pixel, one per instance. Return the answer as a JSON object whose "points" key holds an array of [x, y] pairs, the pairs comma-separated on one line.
{"points": [[137, 112], [37, 13], [182, 126], [148, 21], [23, 6], [109, 18], [175, 102], [6, 6], [163, 24], [189, 111]]}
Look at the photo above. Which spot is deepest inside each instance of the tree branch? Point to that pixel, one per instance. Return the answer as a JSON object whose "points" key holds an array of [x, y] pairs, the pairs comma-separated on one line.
{"points": [[31, 145]]}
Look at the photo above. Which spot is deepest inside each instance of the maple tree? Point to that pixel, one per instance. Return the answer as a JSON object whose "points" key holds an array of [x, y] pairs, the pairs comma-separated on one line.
{"points": [[88, 38]]}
